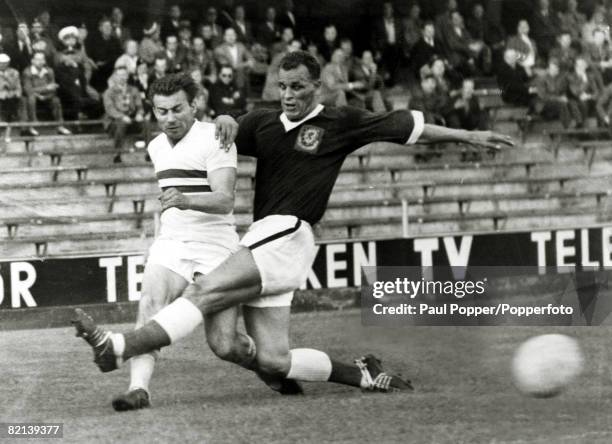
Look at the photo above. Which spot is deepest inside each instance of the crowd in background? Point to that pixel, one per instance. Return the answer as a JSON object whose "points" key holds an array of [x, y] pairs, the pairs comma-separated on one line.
{"points": [[557, 63]]}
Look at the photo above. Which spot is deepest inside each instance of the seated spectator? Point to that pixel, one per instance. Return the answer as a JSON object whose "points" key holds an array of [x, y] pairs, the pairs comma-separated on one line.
{"points": [[40, 42], [466, 55], [11, 104], [604, 106], [142, 82], [564, 52], [210, 40], [281, 46], [216, 30], [386, 40], [225, 96], [545, 28], [242, 26], [329, 43], [21, 51], [335, 82], [271, 91], [446, 80], [514, 82], [78, 101], [572, 20], [268, 32], [172, 23], [365, 71], [121, 32], [129, 59], [553, 102], [202, 98], [585, 86], [123, 108], [465, 111], [429, 102], [597, 21], [151, 44], [185, 36], [412, 27], [160, 68], [483, 29], [426, 48], [287, 18], [236, 55], [524, 47], [202, 59], [599, 54], [103, 48], [346, 45], [176, 56], [50, 30], [313, 50], [41, 91]]}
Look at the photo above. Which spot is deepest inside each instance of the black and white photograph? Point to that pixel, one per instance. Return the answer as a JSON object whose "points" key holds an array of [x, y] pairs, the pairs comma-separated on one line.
{"points": [[306, 221]]}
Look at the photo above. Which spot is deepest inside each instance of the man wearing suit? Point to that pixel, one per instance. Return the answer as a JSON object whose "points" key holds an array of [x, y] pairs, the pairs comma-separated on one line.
{"points": [[234, 54], [268, 32], [465, 54], [242, 27], [21, 51], [216, 29], [287, 18], [387, 36], [545, 28], [426, 48], [524, 46], [172, 23], [514, 82], [585, 87]]}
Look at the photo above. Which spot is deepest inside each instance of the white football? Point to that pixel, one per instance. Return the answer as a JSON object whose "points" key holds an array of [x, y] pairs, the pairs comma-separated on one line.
{"points": [[543, 366]]}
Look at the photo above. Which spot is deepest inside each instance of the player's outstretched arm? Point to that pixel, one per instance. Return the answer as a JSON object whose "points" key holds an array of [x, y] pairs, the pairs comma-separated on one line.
{"points": [[226, 130], [485, 139]]}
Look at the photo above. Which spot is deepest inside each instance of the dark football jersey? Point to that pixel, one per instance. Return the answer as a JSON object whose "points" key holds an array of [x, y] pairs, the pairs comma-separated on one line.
{"points": [[297, 168]]}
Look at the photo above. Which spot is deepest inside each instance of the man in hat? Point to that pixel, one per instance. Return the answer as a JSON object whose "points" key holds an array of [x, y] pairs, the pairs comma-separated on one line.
{"points": [[151, 44]]}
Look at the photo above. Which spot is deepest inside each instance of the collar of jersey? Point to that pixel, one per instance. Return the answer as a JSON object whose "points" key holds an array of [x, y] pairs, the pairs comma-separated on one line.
{"points": [[289, 125]]}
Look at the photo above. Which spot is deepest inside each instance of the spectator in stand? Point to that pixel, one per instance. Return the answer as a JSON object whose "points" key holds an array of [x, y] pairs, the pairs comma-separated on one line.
{"points": [[21, 52], [597, 22], [172, 23], [426, 48], [466, 55], [585, 86], [553, 102], [150, 45], [142, 83], [103, 48], [40, 42], [412, 27], [202, 98], [129, 59], [386, 40], [564, 52], [599, 54], [7, 38], [444, 22], [11, 102], [346, 45], [225, 14], [268, 32], [525, 48], [270, 91], [185, 36], [242, 26], [123, 108], [572, 20], [160, 68], [210, 41], [330, 42], [121, 32], [216, 29], [313, 50], [335, 85], [365, 71], [40, 89], [465, 111], [545, 28], [446, 79], [236, 55], [429, 102], [281, 46], [492, 34], [203, 60], [604, 106], [50, 30], [77, 99], [225, 96], [176, 56], [514, 82], [83, 58], [287, 18]]}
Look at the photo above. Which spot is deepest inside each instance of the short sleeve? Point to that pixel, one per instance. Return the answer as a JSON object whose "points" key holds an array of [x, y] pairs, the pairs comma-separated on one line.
{"points": [[400, 126], [219, 158], [246, 143]]}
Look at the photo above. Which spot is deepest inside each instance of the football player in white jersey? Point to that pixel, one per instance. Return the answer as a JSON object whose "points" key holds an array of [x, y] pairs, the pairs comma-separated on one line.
{"points": [[197, 231]]}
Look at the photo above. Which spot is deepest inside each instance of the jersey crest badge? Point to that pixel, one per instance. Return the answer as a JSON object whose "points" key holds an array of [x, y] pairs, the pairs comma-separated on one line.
{"points": [[309, 138]]}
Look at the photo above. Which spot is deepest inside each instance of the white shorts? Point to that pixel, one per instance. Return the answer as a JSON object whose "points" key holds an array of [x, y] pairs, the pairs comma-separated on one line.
{"points": [[188, 258], [283, 248]]}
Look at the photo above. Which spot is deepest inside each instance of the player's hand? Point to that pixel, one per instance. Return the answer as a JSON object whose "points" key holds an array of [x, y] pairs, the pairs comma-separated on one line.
{"points": [[489, 140], [226, 130], [173, 198]]}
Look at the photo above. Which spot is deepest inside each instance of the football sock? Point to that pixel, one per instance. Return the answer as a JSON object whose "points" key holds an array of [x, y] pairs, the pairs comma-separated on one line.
{"points": [[179, 318], [141, 371], [308, 364], [347, 374], [145, 339]]}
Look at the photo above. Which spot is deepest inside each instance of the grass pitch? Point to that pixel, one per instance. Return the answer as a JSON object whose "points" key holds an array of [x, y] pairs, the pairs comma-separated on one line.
{"points": [[464, 393]]}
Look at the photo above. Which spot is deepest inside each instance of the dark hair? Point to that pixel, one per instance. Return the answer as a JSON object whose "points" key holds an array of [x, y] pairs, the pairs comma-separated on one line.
{"points": [[294, 59], [173, 83]]}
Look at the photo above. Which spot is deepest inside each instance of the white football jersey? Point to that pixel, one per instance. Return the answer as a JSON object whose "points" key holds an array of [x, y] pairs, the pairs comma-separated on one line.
{"points": [[185, 166]]}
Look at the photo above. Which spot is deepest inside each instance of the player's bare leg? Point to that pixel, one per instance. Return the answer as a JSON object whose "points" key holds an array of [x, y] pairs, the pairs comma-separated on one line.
{"points": [[226, 342], [270, 329]]}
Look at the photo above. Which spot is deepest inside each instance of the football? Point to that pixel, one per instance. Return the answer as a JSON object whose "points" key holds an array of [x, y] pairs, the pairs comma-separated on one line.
{"points": [[543, 366]]}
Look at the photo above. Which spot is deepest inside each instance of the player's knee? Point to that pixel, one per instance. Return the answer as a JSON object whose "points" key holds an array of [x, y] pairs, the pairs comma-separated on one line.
{"points": [[273, 363], [222, 344], [151, 303]]}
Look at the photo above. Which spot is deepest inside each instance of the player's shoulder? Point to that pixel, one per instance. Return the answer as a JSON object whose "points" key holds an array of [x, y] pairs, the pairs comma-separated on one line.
{"points": [[258, 116], [157, 141], [204, 128]]}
